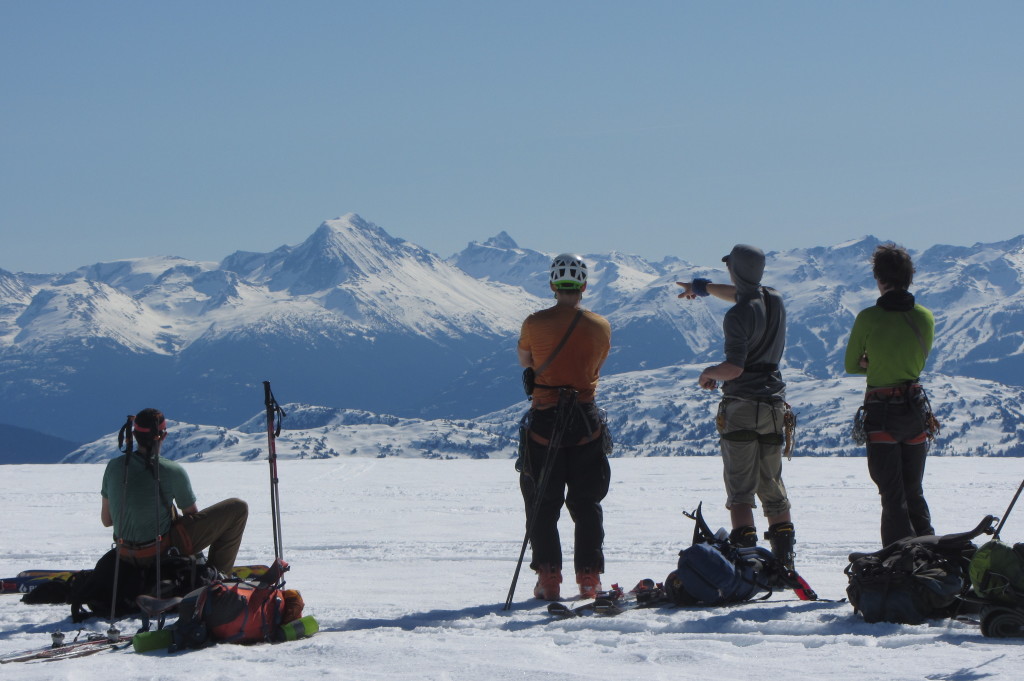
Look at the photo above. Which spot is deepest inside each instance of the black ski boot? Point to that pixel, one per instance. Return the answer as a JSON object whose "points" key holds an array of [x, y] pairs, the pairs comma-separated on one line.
{"points": [[783, 540], [743, 537]]}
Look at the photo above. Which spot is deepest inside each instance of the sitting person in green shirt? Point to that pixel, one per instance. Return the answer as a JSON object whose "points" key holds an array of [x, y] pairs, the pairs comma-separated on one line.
{"points": [[145, 521]]}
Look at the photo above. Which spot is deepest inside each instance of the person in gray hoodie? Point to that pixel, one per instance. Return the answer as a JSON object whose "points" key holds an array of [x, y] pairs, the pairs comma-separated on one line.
{"points": [[752, 413]]}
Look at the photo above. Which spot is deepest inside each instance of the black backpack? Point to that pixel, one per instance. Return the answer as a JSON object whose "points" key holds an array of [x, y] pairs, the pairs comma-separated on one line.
{"points": [[914, 579], [91, 592]]}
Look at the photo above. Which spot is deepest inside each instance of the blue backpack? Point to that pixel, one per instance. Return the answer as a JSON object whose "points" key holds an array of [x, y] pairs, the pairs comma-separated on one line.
{"points": [[706, 575], [714, 572]]}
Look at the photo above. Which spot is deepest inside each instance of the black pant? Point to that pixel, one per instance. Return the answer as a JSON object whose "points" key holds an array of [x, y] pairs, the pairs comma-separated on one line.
{"points": [[897, 451], [578, 478]]}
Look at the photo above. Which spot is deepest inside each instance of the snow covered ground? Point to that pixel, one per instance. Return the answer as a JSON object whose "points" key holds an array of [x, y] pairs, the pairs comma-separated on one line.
{"points": [[406, 563]]}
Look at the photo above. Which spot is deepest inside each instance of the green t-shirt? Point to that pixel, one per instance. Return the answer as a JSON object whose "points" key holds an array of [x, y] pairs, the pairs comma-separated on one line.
{"points": [[897, 344], [140, 514]]}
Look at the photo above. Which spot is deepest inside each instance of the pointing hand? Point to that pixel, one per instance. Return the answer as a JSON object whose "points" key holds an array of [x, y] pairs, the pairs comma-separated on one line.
{"points": [[687, 290]]}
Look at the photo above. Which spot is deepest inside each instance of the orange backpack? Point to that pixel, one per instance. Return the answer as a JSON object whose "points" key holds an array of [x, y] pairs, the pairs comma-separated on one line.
{"points": [[236, 612]]}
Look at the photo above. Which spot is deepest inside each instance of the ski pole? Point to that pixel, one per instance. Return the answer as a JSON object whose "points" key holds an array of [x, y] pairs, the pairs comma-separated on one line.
{"points": [[1009, 508], [274, 416], [125, 439], [565, 408], [155, 458]]}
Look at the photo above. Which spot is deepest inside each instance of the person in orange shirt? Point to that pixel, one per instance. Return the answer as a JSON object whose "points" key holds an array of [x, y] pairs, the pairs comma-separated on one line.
{"points": [[565, 345]]}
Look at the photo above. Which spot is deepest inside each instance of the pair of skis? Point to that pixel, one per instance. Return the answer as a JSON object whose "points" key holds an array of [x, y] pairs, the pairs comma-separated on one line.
{"points": [[91, 644], [614, 601]]}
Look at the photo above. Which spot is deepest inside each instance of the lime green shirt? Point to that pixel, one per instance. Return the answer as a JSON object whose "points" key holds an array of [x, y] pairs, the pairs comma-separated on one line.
{"points": [[896, 352]]}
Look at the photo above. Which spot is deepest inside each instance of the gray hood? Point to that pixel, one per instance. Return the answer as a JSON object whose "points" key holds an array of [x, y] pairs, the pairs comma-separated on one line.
{"points": [[747, 266]]}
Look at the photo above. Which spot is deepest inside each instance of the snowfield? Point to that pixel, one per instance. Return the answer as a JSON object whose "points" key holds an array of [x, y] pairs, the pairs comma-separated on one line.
{"points": [[406, 564]]}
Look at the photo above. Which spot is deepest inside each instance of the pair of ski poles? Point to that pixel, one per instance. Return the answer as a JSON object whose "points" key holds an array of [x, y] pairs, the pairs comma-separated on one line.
{"points": [[564, 410], [126, 439]]}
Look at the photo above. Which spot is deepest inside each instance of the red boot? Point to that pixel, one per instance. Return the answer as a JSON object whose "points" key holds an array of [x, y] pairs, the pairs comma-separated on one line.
{"points": [[548, 579], [589, 581]]}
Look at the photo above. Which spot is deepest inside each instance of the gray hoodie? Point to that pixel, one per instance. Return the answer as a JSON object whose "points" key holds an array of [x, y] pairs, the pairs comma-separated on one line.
{"points": [[755, 328]]}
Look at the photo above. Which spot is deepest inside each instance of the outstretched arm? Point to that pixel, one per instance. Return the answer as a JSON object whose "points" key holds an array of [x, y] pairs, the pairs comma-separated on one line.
{"points": [[726, 292]]}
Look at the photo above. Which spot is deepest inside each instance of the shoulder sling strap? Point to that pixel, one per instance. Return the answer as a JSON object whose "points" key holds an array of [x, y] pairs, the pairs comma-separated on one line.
{"points": [[917, 332], [561, 344]]}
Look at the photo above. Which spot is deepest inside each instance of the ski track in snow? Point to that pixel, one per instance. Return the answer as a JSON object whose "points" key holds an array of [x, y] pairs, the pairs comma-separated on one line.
{"points": [[406, 564]]}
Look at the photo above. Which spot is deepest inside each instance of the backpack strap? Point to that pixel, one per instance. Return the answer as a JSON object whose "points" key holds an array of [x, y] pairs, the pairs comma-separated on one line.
{"points": [[190, 630], [273, 578], [917, 332], [946, 542]]}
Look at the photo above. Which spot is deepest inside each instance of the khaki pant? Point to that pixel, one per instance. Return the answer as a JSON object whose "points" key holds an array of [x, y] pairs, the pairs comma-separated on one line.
{"points": [[218, 528], [753, 467]]}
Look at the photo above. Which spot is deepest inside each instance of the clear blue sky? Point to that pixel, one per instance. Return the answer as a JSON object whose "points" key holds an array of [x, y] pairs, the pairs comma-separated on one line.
{"points": [[197, 128]]}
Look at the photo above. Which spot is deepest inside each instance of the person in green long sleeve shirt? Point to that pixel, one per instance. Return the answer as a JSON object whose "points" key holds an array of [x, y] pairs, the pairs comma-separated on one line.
{"points": [[889, 344]]}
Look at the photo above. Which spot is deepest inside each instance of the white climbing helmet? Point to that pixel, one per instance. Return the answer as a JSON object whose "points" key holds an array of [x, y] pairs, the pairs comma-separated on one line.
{"points": [[568, 272]]}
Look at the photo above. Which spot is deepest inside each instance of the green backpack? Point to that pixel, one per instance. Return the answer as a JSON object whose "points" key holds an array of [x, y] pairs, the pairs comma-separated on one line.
{"points": [[997, 572]]}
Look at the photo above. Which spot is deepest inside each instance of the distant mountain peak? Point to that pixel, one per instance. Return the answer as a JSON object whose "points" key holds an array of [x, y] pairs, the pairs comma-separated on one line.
{"points": [[338, 250], [501, 240]]}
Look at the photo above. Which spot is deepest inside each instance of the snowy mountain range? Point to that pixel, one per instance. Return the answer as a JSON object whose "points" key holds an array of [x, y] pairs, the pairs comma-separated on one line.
{"points": [[365, 324], [658, 412]]}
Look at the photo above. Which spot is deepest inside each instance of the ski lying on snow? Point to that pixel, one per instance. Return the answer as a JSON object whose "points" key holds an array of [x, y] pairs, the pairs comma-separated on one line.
{"points": [[597, 606], [563, 611], [27, 580], [249, 571], [601, 606], [93, 643], [613, 602]]}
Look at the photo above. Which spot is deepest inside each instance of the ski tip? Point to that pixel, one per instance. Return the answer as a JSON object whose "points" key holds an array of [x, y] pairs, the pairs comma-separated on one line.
{"points": [[804, 591], [146, 641], [560, 610]]}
